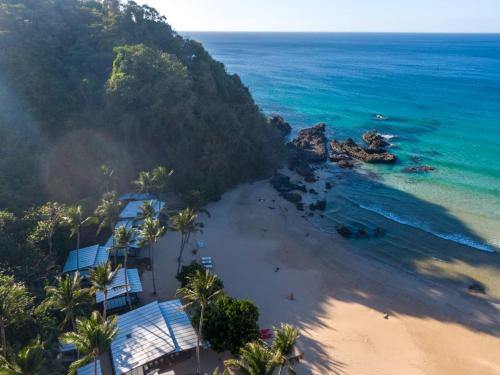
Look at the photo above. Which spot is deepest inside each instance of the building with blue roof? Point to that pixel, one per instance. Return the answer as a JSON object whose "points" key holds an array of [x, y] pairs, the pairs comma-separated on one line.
{"points": [[117, 290], [89, 258]]}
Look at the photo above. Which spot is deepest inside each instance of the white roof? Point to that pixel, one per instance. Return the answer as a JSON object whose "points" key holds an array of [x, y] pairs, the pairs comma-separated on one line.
{"points": [[179, 324], [148, 333], [90, 257], [117, 286], [133, 208], [89, 369]]}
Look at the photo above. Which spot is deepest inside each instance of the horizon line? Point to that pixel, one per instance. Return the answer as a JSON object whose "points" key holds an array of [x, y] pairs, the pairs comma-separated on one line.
{"points": [[341, 32]]}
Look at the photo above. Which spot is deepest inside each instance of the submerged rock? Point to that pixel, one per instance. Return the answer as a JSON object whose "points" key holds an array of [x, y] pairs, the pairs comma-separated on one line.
{"points": [[344, 231], [311, 144], [279, 123], [292, 197], [319, 205], [477, 288], [419, 169]]}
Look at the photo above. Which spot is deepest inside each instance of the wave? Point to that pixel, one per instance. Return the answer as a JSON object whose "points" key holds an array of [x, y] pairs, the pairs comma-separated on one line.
{"points": [[455, 237], [388, 137]]}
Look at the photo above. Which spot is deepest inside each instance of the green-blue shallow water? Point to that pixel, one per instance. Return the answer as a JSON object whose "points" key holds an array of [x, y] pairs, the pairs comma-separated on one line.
{"points": [[441, 97]]}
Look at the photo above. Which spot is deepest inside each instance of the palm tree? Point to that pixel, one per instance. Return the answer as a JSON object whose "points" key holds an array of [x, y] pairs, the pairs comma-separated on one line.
{"points": [[108, 211], [73, 218], [122, 238], [15, 303], [93, 337], [201, 289], [68, 297], [150, 233], [256, 358], [101, 277], [151, 181], [30, 360], [147, 210], [106, 177], [185, 223], [284, 345], [49, 217]]}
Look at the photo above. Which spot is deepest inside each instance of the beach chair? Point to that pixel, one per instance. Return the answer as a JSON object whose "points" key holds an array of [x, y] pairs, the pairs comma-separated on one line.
{"points": [[207, 262], [200, 244]]}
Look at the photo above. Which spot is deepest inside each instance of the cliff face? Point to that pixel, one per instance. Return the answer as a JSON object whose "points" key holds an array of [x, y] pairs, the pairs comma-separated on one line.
{"points": [[112, 83]]}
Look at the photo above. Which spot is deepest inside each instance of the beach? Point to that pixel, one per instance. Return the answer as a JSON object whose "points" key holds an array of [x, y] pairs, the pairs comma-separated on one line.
{"points": [[264, 250]]}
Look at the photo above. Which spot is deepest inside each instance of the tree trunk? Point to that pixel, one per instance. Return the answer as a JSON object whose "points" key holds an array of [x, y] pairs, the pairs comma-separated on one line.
{"points": [[115, 256], [95, 364], [78, 250], [183, 243], [126, 278], [152, 257], [73, 323], [51, 244], [200, 330], [4, 340]]}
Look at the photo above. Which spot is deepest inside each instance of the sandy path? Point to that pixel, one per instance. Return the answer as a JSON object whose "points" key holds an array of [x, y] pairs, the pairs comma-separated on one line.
{"points": [[340, 297]]}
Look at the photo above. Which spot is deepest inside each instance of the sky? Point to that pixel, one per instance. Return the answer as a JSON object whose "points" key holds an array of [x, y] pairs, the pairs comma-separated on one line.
{"points": [[331, 15]]}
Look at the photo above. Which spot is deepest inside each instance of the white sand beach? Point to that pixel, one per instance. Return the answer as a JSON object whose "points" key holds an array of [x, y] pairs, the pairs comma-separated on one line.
{"points": [[340, 298]]}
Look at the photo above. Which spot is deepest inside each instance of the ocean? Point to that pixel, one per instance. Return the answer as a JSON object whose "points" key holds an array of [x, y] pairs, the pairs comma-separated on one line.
{"points": [[440, 95]]}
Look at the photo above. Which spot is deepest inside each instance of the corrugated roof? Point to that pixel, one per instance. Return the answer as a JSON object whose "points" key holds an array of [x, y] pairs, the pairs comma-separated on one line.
{"points": [[89, 369], [127, 223], [133, 208], [89, 258], [142, 336], [136, 196], [117, 286], [180, 325], [64, 347]]}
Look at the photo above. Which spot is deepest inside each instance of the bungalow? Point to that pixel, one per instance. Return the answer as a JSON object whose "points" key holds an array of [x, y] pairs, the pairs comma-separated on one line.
{"points": [[117, 289], [136, 197], [133, 209], [134, 246], [150, 337], [89, 258]]}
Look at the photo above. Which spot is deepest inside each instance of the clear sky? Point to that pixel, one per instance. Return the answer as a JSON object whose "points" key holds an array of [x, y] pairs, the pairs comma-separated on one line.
{"points": [[331, 15]]}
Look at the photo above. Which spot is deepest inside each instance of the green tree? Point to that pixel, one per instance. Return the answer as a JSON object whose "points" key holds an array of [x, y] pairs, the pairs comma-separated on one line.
{"points": [[150, 233], [69, 298], [185, 223], [107, 178], [49, 217], [201, 290], [284, 345], [30, 360], [153, 181], [190, 270], [123, 237], [256, 358], [75, 220], [147, 210], [93, 337], [101, 277], [15, 303], [108, 211], [230, 324]]}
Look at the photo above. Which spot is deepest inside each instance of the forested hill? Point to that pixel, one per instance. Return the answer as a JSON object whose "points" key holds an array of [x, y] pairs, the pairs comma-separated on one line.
{"points": [[86, 83]]}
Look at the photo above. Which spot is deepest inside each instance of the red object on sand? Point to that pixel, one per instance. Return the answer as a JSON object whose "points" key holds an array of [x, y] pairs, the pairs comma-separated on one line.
{"points": [[265, 334]]}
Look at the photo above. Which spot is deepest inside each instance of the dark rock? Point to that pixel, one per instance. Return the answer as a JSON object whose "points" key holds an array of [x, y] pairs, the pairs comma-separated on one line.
{"points": [[312, 191], [328, 185], [310, 179], [282, 183], [419, 169], [477, 288], [300, 206], [292, 197], [377, 232], [311, 144], [319, 205], [361, 233], [344, 231], [376, 143], [302, 168], [349, 163], [279, 123], [311, 214], [349, 149]]}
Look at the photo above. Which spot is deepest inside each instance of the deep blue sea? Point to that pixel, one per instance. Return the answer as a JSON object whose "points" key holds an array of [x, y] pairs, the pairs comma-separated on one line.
{"points": [[439, 93]]}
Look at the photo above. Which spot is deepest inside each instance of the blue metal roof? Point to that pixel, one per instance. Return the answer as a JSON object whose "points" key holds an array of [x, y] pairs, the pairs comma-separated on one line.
{"points": [[117, 286], [179, 324], [133, 209], [89, 369], [89, 257], [136, 196]]}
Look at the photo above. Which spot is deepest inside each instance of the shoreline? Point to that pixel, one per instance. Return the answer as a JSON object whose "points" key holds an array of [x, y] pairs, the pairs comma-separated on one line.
{"points": [[341, 295]]}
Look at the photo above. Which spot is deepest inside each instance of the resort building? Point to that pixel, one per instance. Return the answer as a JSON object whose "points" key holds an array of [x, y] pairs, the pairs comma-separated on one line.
{"points": [[133, 209], [117, 291], [89, 258], [88, 369], [152, 337], [136, 197]]}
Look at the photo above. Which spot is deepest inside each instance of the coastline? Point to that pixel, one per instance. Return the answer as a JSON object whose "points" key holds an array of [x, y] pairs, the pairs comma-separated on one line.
{"points": [[340, 295]]}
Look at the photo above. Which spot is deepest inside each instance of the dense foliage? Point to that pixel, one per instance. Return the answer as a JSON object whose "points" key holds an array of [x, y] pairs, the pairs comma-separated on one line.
{"points": [[86, 83], [230, 324], [189, 271]]}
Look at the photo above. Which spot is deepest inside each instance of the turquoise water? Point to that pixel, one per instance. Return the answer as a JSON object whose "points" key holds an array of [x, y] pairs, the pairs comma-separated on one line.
{"points": [[440, 93]]}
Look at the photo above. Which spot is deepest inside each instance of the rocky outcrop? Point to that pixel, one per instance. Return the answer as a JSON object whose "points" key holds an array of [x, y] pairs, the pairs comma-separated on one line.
{"points": [[349, 150], [282, 184], [311, 144], [302, 167], [419, 169], [279, 123], [319, 205], [292, 197], [376, 143]]}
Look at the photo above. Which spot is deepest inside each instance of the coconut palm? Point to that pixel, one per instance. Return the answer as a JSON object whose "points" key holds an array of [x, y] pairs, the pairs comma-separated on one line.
{"points": [[73, 218], [146, 210], [149, 233], [108, 211], [284, 345], [123, 237], [256, 358], [15, 303], [152, 181], [201, 289], [30, 360], [185, 223], [101, 277], [48, 218], [68, 297], [93, 337], [107, 177]]}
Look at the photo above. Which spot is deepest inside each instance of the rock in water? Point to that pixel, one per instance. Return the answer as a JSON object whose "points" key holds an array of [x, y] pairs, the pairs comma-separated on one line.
{"points": [[376, 143], [344, 231], [311, 144], [292, 197], [349, 149], [282, 184], [279, 123], [419, 169]]}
